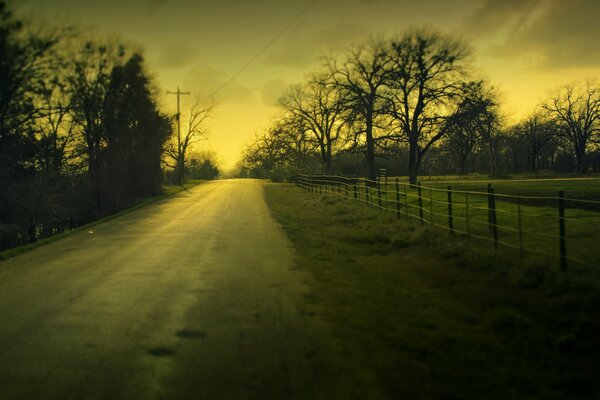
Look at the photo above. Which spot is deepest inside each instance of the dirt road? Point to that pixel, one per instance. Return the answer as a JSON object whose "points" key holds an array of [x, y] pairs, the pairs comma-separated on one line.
{"points": [[193, 297]]}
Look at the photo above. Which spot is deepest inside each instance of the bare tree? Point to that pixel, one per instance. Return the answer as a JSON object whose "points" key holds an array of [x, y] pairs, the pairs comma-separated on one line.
{"points": [[465, 130], [536, 133], [321, 107], [195, 130], [577, 111], [426, 75], [361, 78], [54, 127]]}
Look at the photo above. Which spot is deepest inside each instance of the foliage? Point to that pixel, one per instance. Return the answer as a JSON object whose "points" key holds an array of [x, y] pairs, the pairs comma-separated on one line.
{"points": [[81, 135]]}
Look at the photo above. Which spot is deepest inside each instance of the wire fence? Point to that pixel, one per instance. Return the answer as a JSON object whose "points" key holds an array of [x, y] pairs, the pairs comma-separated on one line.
{"points": [[555, 226]]}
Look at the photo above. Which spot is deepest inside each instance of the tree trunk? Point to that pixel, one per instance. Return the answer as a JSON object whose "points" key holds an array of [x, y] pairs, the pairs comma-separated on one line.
{"points": [[328, 157], [580, 158], [462, 168], [370, 154], [413, 162]]}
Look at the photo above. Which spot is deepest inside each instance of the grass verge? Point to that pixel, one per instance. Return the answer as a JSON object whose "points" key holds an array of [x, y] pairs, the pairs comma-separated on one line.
{"points": [[168, 191], [435, 316]]}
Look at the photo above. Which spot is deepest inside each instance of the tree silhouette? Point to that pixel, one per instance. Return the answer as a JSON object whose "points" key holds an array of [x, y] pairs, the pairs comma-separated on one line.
{"points": [[361, 78], [426, 73], [577, 110]]}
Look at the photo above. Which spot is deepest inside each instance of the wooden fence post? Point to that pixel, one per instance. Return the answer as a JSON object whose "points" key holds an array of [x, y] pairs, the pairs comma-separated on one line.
{"points": [[562, 230], [493, 217], [367, 193], [450, 221]]}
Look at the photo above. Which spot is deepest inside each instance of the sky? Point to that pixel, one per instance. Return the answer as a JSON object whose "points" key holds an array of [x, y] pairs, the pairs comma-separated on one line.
{"points": [[525, 48]]}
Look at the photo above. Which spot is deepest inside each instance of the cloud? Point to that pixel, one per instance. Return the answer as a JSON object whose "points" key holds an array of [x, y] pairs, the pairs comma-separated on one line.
{"points": [[203, 80], [154, 6], [549, 34], [490, 16], [176, 53], [271, 91], [303, 46]]}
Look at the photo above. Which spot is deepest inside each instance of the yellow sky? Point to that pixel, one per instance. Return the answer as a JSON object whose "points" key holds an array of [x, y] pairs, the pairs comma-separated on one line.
{"points": [[524, 47]]}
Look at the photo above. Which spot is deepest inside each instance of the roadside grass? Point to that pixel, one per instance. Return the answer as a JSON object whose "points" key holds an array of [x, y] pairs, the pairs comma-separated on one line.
{"points": [[168, 191], [428, 315], [528, 224]]}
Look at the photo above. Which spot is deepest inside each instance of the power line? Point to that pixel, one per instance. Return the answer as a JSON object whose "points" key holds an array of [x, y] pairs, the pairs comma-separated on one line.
{"points": [[265, 48]]}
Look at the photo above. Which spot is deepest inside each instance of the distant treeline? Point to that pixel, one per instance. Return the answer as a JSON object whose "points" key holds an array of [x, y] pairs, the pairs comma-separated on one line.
{"points": [[411, 104], [81, 135]]}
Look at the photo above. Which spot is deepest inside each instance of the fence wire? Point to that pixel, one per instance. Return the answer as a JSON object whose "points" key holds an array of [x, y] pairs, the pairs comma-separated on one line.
{"points": [[529, 224]]}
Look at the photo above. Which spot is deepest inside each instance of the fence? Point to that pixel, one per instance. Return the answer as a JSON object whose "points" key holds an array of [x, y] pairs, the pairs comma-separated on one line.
{"points": [[555, 226]]}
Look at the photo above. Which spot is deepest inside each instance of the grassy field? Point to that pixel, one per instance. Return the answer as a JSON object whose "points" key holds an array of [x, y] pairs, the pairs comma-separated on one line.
{"points": [[168, 190], [524, 223], [426, 315]]}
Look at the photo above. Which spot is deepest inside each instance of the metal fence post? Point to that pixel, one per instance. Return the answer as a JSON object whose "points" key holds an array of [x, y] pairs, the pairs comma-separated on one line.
{"points": [[562, 230], [450, 221], [489, 190], [467, 213], [420, 202], [520, 226], [397, 199]]}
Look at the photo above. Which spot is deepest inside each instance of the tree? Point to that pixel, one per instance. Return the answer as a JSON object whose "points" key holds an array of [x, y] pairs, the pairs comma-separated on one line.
{"points": [[321, 107], [196, 130], [202, 165], [536, 134], [426, 73], [90, 80], [577, 111], [361, 78], [465, 130], [135, 133]]}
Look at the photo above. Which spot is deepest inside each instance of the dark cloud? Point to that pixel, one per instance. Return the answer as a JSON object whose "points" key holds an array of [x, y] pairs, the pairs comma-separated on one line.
{"points": [[549, 34], [202, 80], [154, 6], [490, 16], [176, 53], [303, 46]]}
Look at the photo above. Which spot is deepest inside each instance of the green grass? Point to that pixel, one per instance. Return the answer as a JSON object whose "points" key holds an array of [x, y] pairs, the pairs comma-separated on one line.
{"points": [[425, 315], [168, 190], [528, 224]]}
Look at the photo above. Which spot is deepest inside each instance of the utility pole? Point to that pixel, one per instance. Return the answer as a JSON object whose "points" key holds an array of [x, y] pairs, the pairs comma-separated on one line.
{"points": [[179, 155]]}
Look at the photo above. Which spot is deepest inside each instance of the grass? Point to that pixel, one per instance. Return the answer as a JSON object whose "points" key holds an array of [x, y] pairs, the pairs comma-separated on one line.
{"points": [[426, 315], [522, 223], [168, 191]]}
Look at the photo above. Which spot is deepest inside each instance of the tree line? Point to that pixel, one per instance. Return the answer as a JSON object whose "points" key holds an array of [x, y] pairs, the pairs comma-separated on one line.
{"points": [[412, 104], [81, 133]]}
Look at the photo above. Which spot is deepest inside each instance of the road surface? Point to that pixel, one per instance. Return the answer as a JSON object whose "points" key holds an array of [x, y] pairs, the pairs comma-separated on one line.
{"points": [[194, 297]]}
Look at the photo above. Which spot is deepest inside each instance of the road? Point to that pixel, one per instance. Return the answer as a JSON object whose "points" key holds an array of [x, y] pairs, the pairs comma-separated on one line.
{"points": [[192, 297]]}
